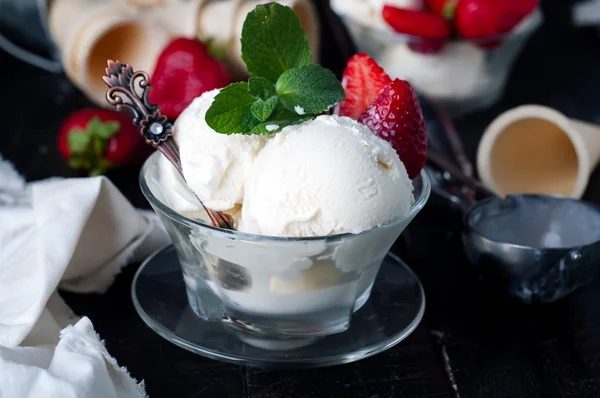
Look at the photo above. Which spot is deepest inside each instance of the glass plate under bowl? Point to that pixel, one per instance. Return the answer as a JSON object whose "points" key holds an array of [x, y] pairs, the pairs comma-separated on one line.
{"points": [[393, 311]]}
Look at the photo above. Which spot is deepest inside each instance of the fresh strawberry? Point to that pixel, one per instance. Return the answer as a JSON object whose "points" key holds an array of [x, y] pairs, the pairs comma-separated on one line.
{"points": [[185, 69], [445, 8], [481, 19], [432, 29], [362, 80], [396, 116], [97, 140]]}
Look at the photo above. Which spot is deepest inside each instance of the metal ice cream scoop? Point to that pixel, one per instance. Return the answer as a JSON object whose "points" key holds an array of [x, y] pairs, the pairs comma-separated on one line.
{"points": [[539, 248], [128, 90]]}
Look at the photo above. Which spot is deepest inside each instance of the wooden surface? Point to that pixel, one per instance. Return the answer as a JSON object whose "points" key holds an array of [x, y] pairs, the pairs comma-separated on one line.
{"points": [[473, 343]]}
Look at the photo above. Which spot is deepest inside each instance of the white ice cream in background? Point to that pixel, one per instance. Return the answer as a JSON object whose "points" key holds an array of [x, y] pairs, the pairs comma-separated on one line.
{"points": [[327, 176], [458, 70], [214, 165], [462, 77]]}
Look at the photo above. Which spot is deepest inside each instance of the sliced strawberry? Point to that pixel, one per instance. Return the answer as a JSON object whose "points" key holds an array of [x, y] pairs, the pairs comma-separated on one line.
{"points": [[396, 116], [362, 80], [431, 29]]}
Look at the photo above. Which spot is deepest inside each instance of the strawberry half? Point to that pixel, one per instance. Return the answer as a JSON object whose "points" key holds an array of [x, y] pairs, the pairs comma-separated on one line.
{"points": [[432, 29], [362, 80], [396, 116]]}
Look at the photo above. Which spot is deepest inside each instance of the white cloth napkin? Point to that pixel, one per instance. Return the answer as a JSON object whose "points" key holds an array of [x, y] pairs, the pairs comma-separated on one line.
{"points": [[77, 234]]}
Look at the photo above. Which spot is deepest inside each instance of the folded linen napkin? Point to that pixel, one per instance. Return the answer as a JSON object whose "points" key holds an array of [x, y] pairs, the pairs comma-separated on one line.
{"points": [[77, 234]]}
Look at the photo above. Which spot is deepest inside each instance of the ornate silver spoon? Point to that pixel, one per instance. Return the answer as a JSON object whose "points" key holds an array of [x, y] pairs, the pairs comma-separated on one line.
{"points": [[154, 127]]}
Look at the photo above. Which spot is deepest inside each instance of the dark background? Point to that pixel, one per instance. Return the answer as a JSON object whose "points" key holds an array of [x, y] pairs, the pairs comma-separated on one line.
{"points": [[473, 343]]}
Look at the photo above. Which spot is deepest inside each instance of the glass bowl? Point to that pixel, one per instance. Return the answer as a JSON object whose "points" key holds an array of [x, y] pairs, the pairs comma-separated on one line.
{"points": [[275, 291], [461, 75]]}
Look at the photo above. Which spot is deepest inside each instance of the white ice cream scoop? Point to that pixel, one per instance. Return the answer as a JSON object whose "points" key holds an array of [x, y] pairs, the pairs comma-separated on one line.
{"points": [[326, 176]]}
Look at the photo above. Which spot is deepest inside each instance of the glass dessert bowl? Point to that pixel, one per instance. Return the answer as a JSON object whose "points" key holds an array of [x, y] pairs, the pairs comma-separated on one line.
{"points": [[463, 75], [275, 292]]}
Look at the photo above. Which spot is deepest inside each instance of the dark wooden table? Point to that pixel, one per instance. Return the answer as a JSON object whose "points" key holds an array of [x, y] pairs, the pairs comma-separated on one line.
{"points": [[473, 343]]}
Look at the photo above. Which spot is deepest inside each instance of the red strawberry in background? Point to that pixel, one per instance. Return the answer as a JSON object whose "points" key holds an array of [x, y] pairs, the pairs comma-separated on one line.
{"points": [[396, 116], [97, 140], [479, 19], [185, 69], [362, 80], [432, 28], [445, 8]]}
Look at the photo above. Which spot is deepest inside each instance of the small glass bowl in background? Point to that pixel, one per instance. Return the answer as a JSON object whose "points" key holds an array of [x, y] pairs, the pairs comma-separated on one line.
{"points": [[463, 76], [275, 292]]}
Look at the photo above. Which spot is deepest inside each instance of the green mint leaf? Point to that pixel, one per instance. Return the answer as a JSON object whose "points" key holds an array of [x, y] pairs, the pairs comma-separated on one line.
{"points": [[278, 120], [231, 111], [263, 109], [273, 42], [78, 141], [309, 89], [261, 88]]}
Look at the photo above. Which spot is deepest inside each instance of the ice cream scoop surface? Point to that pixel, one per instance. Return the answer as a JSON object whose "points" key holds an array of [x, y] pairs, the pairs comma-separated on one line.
{"points": [[214, 165], [327, 176]]}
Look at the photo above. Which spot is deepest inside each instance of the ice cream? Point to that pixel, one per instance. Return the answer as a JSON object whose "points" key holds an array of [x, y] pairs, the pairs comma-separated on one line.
{"points": [[458, 71], [353, 181], [327, 176], [319, 198], [214, 165]]}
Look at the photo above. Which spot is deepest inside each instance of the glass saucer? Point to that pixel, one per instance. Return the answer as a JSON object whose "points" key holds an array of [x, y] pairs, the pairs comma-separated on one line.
{"points": [[393, 311]]}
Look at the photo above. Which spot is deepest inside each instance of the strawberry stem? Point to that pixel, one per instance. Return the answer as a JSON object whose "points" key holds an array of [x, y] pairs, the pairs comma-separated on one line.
{"points": [[87, 146], [449, 11]]}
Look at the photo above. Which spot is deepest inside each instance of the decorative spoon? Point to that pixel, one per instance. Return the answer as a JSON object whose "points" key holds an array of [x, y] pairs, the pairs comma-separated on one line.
{"points": [[154, 127]]}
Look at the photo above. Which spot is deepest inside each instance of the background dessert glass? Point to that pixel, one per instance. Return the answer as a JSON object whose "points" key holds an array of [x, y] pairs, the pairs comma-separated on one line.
{"points": [[464, 76], [275, 292]]}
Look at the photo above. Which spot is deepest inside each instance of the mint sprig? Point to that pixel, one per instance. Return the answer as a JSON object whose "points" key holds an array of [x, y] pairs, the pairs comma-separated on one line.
{"points": [[285, 87], [273, 41]]}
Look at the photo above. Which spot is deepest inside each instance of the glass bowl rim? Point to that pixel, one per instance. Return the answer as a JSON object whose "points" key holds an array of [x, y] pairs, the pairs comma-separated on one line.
{"points": [[536, 19], [157, 204]]}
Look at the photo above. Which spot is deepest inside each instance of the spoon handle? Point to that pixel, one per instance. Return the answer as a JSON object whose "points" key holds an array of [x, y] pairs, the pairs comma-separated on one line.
{"points": [[458, 175], [128, 90]]}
